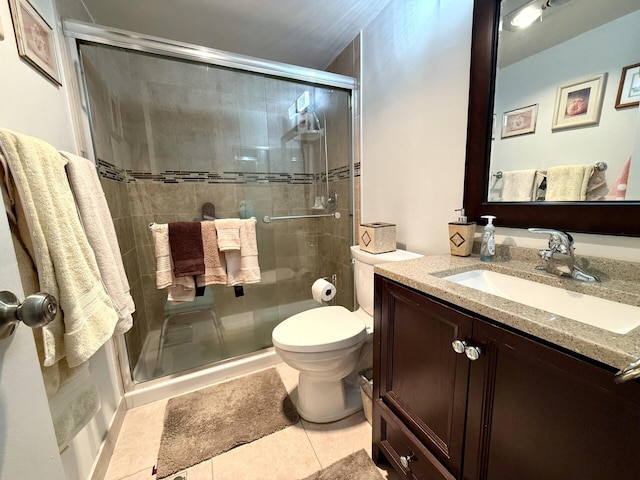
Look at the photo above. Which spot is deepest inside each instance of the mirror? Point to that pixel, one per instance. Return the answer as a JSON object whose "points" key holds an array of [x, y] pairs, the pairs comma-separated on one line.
{"points": [[539, 135]]}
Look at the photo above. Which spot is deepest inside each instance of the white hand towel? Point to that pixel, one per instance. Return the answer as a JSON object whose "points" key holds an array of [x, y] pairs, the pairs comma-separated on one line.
{"points": [[568, 183], [518, 185], [242, 266], [228, 230]]}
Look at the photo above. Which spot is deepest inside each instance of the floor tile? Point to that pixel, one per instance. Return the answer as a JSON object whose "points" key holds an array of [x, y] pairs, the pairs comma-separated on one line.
{"points": [[202, 471], [284, 455]]}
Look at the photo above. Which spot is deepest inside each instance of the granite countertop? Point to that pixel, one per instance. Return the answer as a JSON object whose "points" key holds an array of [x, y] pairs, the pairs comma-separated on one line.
{"points": [[617, 284]]}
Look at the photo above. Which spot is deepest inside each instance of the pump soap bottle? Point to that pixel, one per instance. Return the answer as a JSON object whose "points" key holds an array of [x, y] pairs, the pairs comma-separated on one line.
{"points": [[488, 247], [461, 235]]}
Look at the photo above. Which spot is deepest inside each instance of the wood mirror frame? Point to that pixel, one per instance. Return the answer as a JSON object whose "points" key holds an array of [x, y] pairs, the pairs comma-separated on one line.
{"points": [[613, 218]]}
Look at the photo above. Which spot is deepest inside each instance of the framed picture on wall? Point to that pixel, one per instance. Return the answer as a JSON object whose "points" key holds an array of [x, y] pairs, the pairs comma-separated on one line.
{"points": [[579, 104], [629, 89], [34, 37], [520, 121]]}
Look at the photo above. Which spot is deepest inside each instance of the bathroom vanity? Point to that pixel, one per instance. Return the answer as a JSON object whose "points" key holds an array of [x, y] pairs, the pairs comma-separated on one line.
{"points": [[532, 395]]}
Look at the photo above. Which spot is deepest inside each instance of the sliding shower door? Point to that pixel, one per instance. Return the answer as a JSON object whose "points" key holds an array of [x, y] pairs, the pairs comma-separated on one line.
{"points": [[184, 141]]}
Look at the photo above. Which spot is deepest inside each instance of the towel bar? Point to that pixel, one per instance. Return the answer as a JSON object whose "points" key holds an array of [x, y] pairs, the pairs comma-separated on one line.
{"points": [[153, 223], [601, 166], [268, 219]]}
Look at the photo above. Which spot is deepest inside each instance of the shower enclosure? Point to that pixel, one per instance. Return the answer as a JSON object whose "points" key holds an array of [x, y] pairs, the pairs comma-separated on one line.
{"points": [[178, 139]]}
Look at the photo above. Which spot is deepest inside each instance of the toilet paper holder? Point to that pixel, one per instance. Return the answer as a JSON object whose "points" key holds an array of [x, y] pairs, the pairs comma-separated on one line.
{"points": [[333, 279]]}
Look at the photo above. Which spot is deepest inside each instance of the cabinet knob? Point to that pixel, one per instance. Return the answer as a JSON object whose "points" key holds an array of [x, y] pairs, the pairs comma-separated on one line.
{"points": [[472, 353], [405, 460], [459, 346]]}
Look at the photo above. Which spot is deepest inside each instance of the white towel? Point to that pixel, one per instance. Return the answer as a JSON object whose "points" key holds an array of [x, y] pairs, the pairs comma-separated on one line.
{"points": [[98, 226], [518, 185], [568, 183], [228, 230], [180, 289], [64, 260], [242, 265]]}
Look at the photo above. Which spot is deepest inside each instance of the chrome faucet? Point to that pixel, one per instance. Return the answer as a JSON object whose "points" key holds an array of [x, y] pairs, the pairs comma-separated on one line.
{"points": [[559, 257]]}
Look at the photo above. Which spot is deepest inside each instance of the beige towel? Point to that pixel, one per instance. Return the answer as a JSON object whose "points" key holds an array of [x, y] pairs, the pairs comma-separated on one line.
{"points": [[228, 230], [242, 266], [181, 289], [64, 260], [214, 272], [568, 183], [518, 185], [98, 226]]}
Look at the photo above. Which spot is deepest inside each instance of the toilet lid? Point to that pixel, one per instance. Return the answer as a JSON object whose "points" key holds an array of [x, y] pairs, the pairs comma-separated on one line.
{"points": [[319, 330]]}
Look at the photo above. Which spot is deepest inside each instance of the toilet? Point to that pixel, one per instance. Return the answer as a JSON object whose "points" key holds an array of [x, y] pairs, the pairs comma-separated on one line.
{"points": [[329, 343]]}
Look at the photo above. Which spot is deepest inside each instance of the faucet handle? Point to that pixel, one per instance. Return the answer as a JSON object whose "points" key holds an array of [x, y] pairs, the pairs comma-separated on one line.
{"points": [[558, 240]]}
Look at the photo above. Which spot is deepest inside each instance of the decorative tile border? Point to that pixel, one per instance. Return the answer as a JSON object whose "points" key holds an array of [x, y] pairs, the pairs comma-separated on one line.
{"points": [[110, 171]]}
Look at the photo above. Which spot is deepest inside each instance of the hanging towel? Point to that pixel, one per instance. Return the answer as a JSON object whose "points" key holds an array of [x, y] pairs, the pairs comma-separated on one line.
{"points": [[242, 265], [64, 260], [98, 226], [518, 185], [228, 230], [214, 267], [187, 254], [597, 186], [568, 183], [618, 190], [181, 289]]}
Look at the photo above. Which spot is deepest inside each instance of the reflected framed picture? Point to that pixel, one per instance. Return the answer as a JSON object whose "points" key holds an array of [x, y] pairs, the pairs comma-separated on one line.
{"points": [[35, 40], [629, 89], [579, 104], [520, 121]]}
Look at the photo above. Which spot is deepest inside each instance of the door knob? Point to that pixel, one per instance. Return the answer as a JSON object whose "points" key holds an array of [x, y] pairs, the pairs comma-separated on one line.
{"points": [[37, 310], [459, 346]]}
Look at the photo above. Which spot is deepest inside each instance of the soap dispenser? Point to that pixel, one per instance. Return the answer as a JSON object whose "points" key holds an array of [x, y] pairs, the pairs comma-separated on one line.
{"points": [[488, 247], [461, 235]]}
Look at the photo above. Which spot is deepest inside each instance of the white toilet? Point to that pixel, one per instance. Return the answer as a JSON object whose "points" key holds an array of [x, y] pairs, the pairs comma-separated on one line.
{"points": [[325, 345]]}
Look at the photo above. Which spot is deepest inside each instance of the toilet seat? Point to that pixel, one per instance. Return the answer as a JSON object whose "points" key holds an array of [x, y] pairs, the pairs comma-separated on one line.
{"points": [[319, 330]]}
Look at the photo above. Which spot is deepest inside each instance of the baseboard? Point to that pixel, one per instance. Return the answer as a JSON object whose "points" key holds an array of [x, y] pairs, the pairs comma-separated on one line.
{"points": [[106, 449]]}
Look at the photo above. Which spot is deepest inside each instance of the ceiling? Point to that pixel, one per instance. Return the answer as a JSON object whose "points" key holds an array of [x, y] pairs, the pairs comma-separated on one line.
{"points": [[299, 32]]}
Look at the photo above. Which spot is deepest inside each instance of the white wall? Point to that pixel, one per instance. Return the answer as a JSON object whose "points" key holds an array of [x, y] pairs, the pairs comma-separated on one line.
{"points": [[33, 105], [534, 80], [415, 83]]}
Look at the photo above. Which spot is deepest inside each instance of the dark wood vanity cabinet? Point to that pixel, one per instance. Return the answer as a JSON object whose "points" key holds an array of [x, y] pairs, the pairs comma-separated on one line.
{"points": [[522, 411]]}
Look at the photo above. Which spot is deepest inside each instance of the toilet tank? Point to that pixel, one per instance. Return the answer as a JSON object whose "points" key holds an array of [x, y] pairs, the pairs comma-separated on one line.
{"points": [[363, 272]]}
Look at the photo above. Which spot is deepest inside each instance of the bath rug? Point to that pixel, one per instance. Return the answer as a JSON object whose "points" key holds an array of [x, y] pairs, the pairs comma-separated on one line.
{"points": [[357, 466], [205, 423]]}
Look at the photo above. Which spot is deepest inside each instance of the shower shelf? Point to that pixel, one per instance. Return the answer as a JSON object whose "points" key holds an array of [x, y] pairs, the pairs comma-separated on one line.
{"points": [[309, 135], [268, 219]]}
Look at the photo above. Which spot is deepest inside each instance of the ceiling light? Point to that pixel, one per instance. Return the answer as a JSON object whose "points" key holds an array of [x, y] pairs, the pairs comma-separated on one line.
{"points": [[526, 16]]}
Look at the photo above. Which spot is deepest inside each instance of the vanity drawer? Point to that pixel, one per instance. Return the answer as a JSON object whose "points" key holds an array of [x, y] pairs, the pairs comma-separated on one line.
{"points": [[397, 441]]}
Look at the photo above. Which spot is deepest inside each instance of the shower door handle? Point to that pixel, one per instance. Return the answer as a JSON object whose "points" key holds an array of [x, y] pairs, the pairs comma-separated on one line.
{"points": [[37, 310]]}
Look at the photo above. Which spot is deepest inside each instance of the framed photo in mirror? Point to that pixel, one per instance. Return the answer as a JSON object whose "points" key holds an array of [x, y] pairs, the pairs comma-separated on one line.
{"points": [[579, 104], [520, 121], [34, 37], [629, 89]]}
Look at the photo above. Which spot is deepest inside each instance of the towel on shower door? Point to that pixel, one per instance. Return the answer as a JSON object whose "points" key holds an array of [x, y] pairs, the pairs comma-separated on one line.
{"points": [[214, 266], [228, 230], [187, 254], [242, 265], [568, 183], [98, 226], [180, 289], [64, 259], [518, 185]]}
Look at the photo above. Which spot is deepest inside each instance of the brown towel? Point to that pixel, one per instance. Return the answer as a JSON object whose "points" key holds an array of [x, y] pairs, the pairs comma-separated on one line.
{"points": [[187, 252]]}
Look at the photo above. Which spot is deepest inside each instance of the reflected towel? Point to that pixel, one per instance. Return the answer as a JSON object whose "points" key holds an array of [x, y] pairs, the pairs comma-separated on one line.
{"points": [[98, 226], [64, 259], [518, 185], [618, 190], [228, 230], [568, 183], [214, 267], [187, 254]]}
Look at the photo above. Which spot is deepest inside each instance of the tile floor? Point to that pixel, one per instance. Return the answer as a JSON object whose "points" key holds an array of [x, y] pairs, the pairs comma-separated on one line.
{"points": [[290, 454]]}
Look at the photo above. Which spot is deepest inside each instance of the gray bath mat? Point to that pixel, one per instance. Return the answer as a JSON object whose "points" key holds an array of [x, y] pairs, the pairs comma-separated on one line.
{"points": [[208, 422], [357, 466]]}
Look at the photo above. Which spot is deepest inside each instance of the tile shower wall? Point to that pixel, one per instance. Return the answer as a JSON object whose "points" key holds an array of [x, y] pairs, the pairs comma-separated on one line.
{"points": [[172, 135]]}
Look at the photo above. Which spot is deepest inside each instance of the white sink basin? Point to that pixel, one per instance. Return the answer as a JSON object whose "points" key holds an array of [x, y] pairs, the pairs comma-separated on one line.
{"points": [[606, 314]]}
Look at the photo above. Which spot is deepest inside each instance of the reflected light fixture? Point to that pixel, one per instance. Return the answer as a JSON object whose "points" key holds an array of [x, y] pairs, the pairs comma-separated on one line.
{"points": [[526, 16]]}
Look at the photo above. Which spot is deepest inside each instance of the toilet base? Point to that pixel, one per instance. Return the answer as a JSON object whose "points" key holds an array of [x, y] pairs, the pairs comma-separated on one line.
{"points": [[326, 401]]}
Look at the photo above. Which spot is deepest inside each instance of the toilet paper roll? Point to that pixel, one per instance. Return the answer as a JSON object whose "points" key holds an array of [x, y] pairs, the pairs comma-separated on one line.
{"points": [[322, 290]]}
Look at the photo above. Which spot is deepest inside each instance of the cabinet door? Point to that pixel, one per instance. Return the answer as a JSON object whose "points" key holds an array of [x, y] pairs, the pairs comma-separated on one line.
{"points": [[537, 413], [422, 380]]}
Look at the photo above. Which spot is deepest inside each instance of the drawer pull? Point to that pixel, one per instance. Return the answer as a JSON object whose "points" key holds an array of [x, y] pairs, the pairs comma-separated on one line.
{"points": [[405, 460], [472, 353]]}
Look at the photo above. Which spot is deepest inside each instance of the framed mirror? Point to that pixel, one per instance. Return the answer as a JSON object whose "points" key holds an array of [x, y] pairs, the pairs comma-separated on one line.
{"points": [[510, 120]]}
